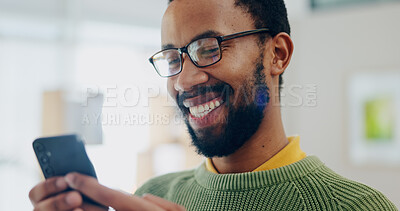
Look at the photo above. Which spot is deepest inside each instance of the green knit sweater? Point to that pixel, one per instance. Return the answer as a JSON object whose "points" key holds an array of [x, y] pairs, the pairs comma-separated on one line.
{"points": [[304, 185]]}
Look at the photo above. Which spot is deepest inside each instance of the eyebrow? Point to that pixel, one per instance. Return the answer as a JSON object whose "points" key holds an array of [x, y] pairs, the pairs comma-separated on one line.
{"points": [[206, 34]]}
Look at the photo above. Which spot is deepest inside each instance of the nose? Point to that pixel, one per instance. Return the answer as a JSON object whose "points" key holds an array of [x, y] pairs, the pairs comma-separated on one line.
{"points": [[190, 76]]}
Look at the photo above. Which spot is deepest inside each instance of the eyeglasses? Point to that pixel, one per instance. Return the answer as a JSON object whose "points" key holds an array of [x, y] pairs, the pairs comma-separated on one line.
{"points": [[203, 52]]}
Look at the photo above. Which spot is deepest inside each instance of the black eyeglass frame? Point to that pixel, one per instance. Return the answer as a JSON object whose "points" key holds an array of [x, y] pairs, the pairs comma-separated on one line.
{"points": [[220, 39]]}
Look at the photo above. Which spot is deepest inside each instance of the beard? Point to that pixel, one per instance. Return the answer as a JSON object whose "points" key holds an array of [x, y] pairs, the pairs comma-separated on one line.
{"points": [[244, 117]]}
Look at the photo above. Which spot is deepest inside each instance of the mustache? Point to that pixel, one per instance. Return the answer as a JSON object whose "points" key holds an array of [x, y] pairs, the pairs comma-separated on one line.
{"points": [[201, 90]]}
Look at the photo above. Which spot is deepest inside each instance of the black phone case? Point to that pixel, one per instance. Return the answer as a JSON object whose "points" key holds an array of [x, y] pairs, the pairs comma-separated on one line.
{"points": [[60, 155]]}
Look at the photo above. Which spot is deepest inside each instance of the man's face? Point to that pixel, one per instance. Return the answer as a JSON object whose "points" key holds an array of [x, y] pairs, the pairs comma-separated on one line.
{"points": [[222, 104]]}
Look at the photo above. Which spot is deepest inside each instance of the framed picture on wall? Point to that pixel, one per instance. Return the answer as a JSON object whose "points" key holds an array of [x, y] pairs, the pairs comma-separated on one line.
{"points": [[374, 118]]}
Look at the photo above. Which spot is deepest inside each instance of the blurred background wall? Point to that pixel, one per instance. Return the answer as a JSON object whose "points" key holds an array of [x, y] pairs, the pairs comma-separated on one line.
{"points": [[101, 47], [330, 47]]}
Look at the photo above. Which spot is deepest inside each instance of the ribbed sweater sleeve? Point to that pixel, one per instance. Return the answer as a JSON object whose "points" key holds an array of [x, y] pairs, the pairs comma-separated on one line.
{"points": [[304, 185]]}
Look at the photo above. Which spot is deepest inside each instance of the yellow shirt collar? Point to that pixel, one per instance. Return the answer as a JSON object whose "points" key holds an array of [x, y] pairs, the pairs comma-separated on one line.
{"points": [[291, 153]]}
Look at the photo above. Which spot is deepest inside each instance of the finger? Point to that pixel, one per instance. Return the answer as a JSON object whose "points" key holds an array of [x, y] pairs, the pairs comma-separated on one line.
{"points": [[47, 188], [106, 196], [92, 207], [63, 201], [163, 203]]}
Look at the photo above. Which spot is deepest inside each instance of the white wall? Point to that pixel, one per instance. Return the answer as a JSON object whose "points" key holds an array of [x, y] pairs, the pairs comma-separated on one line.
{"points": [[47, 46], [329, 47]]}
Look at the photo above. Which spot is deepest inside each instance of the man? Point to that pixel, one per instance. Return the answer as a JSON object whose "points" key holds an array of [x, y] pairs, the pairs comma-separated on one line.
{"points": [[224, 61]]}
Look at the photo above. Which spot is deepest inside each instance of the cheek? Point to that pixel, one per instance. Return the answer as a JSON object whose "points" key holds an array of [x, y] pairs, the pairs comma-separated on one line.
{"points": [[241, 61], [240, 71], [170, 87], [243, 81]]}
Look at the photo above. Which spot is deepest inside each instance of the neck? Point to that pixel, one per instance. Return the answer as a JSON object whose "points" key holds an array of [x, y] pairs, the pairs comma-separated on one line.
{"points": [[268, 140]]}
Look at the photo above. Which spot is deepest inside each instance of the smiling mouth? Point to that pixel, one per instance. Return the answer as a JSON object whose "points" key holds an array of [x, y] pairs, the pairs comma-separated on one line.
{"points": [[199, 111], [204, 105]]}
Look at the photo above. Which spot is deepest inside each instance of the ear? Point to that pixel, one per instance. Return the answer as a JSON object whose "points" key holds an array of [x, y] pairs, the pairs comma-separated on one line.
{"points": [[282, 50]]}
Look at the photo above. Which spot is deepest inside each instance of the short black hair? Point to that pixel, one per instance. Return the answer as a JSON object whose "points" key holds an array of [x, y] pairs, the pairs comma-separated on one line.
{"points": [[270, 14]]}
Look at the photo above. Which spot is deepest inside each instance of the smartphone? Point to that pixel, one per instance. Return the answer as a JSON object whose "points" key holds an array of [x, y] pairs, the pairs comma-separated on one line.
{"points": [[60, 155]]}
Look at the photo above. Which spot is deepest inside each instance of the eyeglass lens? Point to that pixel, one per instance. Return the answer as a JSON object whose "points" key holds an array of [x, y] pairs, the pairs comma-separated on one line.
{"points": [[167, 62], [202, 52]]}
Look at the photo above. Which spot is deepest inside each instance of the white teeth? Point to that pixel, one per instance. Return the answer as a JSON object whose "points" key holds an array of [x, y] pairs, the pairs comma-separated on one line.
{"points": [[193, 110], [212, 106], [202, 110]]}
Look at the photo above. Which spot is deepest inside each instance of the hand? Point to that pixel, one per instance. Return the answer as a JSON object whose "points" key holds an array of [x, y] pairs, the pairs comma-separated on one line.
{"points": [[117, 199], [50, 195], [44, 197]]}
